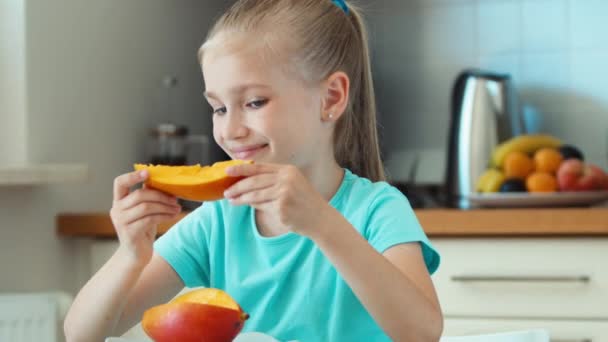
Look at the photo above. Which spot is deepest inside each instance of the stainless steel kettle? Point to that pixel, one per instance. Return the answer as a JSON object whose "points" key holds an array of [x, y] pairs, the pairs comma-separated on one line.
{"points": [[485, 112]]}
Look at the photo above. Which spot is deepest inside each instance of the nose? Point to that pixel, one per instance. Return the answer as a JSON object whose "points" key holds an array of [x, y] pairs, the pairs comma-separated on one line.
{"points": [[233, 126]]}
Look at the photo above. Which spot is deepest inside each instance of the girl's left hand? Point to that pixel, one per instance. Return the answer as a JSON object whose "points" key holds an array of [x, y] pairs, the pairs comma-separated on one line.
{"points": [[280, 191]]}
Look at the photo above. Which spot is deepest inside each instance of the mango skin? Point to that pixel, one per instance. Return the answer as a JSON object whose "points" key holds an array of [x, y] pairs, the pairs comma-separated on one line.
{"points": [[192, 322]]}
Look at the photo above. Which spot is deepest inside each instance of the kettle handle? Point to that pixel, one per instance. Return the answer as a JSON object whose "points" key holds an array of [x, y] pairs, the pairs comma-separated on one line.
{"points": [[454, 125]]}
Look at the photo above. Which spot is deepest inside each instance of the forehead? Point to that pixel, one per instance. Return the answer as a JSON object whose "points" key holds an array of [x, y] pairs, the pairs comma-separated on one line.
{"points": [[222, 68], [230, 60], [235, 61]]}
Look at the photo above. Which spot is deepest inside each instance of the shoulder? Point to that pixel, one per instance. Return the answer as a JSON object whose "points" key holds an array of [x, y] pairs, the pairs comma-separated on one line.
{"points": [[363, 191], [362, 201]]}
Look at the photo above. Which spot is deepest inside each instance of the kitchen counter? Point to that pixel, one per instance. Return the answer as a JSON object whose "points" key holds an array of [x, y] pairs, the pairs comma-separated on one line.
{"points": [[549, 222]]}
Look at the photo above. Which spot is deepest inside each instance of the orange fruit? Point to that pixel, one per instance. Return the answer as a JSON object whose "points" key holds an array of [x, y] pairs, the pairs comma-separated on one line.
{"points": [[541, 182], [518, 165], [547, 160]]}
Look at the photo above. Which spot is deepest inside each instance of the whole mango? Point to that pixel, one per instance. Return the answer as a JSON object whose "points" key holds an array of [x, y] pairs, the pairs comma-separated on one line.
{"points": [[203, 315]]}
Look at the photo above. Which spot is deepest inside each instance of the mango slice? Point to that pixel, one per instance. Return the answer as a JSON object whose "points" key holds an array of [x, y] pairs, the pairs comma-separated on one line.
{"points": [[192, 182]]}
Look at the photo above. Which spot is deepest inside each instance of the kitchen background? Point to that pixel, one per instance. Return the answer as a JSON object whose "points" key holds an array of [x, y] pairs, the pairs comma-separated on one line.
{"points": [[554, 50], [81, 82]]}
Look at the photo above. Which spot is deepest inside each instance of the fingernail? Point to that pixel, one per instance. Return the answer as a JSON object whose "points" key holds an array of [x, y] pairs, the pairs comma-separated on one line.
{"points": [[227, 194], [230, 170], [143, 174]]}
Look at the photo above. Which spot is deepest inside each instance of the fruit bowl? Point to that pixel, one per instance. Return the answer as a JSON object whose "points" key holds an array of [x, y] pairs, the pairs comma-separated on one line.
{"points": [[526, 199], [538, 170]]}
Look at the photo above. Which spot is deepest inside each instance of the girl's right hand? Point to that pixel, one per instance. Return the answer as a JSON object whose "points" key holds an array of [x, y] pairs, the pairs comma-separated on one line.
{"points": [[136, 214]]}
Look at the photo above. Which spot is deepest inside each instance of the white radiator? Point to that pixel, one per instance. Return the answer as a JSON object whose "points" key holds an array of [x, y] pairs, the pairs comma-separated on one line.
{"points": [[33, 317]]}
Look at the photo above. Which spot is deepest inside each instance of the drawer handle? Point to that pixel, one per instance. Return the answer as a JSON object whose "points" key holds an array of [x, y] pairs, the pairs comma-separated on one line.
{"points": [[522, 279], [571, 340]]}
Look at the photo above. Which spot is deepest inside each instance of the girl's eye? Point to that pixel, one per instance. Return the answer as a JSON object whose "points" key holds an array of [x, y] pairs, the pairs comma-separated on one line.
{"points": [[257, 103], [220, 111]]}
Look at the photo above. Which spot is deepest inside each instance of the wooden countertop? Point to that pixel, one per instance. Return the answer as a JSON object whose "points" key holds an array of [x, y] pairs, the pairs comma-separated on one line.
{"points": [[436, 223]]}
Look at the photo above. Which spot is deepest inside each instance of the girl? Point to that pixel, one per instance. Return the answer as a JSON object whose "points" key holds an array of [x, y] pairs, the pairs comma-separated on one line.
{"points": [[312, 243]]}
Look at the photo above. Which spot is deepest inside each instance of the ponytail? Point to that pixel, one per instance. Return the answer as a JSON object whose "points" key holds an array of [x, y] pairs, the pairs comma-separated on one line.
{"points": [[356, 137]]}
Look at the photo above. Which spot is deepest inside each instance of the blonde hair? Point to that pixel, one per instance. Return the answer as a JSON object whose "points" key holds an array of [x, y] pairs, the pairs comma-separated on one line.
{"points": [[317, 39]]}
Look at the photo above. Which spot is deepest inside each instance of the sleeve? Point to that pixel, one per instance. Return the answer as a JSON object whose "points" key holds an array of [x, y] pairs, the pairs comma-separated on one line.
{"points": [[392, 221], [186, 247]]}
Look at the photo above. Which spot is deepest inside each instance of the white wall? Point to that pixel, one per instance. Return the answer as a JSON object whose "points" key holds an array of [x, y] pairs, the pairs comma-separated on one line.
{"points": [[94, 70], [556, 51], [12, 82]]}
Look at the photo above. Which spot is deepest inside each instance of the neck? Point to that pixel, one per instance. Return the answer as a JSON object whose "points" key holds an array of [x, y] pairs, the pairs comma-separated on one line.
{"points": [[326, 179]]}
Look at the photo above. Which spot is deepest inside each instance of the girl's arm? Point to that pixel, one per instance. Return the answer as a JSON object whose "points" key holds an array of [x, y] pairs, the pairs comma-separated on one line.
{"points": [[134, 278], [114, 299], [394, 287], [98, 305]]}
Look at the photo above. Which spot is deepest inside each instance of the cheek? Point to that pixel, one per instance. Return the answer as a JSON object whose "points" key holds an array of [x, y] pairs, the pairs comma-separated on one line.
{"points": [[216, 132]]}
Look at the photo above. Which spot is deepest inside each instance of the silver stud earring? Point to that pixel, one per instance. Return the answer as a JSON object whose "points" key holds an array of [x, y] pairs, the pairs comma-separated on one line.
{"points": [[331, 116]]}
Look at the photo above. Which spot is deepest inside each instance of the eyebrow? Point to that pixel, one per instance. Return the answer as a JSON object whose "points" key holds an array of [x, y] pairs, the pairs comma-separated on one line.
{"points": [[238, 89]]}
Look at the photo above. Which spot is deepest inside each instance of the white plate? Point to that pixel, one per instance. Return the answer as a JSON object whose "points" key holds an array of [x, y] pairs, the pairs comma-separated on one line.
{"points": [[524, 199]]}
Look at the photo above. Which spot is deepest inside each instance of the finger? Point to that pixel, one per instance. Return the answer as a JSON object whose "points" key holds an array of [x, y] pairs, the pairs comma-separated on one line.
{"points": [[255, 197], [246, 170], [124, 182], [147, 195], [265, 206], [148, 208], [250, 184]]}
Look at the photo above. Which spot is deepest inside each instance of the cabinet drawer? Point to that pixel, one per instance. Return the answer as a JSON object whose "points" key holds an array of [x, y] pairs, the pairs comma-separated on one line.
{"points": [[560, 331], [561, 278]]}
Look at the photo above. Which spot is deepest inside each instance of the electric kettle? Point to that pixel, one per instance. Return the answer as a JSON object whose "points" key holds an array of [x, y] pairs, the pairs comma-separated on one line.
{"points": [[484, 113]]}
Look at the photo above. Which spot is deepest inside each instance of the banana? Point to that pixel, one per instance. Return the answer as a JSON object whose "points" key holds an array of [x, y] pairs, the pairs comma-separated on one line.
{"points": [[526, 143], [490, 181]]}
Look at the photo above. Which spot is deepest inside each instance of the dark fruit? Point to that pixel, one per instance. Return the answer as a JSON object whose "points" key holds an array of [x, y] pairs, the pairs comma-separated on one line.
{"points": [[513, 185], [571, 152]]}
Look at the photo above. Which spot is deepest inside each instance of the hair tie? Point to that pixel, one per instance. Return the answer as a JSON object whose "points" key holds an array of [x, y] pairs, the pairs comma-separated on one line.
{"points": [[341, 4]]}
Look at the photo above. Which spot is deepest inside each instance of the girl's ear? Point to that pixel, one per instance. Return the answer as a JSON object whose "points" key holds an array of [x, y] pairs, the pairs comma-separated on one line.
{"points": [[335, 97]]}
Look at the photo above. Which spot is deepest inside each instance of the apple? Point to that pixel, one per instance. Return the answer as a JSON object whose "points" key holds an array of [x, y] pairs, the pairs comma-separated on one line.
{"points": [[575, 175], [605, 187]]}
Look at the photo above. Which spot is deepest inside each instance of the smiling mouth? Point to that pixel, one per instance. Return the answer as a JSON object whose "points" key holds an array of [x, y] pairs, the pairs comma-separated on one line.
{"points": [[249, 152]]}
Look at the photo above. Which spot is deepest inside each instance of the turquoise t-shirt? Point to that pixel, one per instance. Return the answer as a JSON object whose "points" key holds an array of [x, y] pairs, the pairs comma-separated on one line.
{"points": [[285, 283]]}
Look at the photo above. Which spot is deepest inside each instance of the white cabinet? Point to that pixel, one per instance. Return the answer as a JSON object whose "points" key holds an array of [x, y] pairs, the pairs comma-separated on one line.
{"points": [[560, 284], [101, 251]]}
